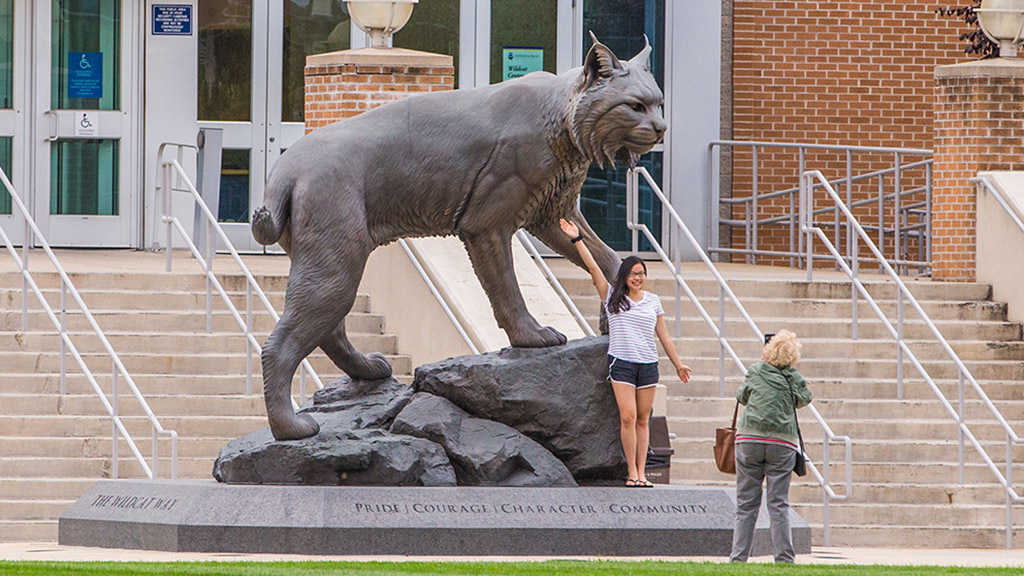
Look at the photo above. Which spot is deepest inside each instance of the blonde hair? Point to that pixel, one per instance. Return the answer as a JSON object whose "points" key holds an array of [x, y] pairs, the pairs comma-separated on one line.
{"points": [[782, 350]]}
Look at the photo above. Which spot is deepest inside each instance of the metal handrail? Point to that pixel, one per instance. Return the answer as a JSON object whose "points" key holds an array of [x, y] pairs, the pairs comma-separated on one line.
{"points": [[171, 169], [901, 227], [999, 198], [525, 240], [634, 224], [68, 345], [437, 295], [808, 186], [553, 280]]}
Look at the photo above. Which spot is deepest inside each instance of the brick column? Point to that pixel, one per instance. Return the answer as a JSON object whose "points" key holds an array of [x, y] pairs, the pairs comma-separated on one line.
{"points": [[979, 125], [344, 84]]}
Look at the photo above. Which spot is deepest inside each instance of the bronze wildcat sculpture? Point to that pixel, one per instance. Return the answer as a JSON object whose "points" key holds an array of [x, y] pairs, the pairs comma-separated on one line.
{"points": [[477, 163]]}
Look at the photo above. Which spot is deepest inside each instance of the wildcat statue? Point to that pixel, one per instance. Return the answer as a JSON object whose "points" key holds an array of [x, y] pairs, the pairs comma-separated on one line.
{"points": [[478, 164]]}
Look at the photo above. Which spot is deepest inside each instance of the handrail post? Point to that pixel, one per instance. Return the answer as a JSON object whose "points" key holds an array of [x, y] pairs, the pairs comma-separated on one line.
{"points": [[899, 344], [63, 337], [752, 216], [881, 217], [800, 182], [156, 453], [825, 475], [679, 293], [24, 275], [167, 213], [248, 338], [714, 201], [853, 289], [960, 426], [1009, 486], [721, 341], [837, 230], [928, 207], [210, 239], [897, 201], [116, 414], [806, 221], [849, 202]]}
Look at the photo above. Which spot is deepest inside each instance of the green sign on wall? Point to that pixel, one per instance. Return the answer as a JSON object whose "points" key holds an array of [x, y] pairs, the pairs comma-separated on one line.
{"points": [[518, 61]]}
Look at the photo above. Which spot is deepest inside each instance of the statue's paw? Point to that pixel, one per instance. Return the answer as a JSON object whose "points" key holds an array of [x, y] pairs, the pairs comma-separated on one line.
{"points": [[379, 366], [296, 427], [373, 367], [541, 337]]}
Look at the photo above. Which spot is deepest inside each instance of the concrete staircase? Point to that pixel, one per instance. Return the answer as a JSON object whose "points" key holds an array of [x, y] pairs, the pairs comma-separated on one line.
{"points": [[54, 447], [906, 490]]}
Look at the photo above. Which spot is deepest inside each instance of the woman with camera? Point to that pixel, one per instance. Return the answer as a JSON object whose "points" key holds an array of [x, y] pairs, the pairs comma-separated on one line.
{"points": [[766, 444]]}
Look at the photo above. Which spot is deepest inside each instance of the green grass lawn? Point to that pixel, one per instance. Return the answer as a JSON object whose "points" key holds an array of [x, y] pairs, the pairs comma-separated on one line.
{"points": [[576, 568]]}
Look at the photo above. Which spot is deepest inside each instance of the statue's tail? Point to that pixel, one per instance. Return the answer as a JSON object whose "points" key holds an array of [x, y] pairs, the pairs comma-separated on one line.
{"points": [[269, 220]]}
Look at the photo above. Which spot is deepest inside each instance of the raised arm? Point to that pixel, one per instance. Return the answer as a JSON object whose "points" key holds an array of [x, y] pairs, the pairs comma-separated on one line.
{"points": [[596, 274]]}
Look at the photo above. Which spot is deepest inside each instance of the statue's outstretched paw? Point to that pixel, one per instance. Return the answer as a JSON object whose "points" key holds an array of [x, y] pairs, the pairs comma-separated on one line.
{"points": [[296, 427], [539, 337]]}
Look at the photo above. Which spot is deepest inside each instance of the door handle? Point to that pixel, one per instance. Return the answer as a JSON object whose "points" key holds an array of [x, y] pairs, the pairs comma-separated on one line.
{"points": [[53, 126]]}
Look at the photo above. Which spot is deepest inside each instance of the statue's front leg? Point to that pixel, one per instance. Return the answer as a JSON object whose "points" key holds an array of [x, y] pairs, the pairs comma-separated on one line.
{"points": [[491, 255], [550, 233]]}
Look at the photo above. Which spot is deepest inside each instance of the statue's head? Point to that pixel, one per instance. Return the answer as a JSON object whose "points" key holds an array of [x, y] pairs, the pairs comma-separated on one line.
{"points": [[618, 114]]}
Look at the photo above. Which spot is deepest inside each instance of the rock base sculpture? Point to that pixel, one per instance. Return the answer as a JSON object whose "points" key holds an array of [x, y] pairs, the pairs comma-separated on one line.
{"points": [[517, 417]]}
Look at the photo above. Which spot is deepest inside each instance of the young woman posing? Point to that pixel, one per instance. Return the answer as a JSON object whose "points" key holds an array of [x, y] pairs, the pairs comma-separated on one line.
{"points": [[635, 317]]}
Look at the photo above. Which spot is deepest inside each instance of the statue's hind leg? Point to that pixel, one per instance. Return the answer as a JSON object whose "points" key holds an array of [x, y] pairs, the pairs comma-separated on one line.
{"points": [[320, 293], [356, 364]]}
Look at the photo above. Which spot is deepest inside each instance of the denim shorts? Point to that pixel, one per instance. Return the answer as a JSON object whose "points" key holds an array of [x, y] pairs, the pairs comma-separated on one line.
{"points": [[637, 375]]}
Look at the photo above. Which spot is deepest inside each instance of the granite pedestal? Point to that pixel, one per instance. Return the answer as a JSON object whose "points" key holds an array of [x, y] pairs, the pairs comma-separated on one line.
{"points": [[205, 516]]}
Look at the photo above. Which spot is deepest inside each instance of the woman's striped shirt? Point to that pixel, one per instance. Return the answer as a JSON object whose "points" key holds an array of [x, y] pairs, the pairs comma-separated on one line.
{"points": [[631, 332]]}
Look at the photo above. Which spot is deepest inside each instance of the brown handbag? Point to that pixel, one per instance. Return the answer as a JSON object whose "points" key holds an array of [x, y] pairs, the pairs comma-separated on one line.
{"points": [[725, 445]]}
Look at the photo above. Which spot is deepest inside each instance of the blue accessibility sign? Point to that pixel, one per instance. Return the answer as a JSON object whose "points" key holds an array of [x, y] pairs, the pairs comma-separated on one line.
{"points": [[85, 74]]}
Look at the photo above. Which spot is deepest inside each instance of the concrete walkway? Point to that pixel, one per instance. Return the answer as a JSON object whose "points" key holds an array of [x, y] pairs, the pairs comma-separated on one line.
{"points": [[48, 551]]}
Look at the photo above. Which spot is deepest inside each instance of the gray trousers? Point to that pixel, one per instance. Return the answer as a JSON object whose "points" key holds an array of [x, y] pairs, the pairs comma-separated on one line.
{"points": [[755, 463]]}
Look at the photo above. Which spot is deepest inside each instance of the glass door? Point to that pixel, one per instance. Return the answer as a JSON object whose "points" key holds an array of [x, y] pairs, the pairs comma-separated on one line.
{"points": [[252, 54], [10, 117], [84, 154], [622, 26]]}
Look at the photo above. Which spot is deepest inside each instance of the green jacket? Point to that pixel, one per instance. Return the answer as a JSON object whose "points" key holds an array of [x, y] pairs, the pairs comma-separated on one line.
{"points": [[768, 398]]}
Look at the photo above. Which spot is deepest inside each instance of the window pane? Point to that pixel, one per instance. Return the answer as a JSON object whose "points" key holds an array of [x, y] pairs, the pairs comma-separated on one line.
{"points": [[519, 28], [5, 163], [310, 27], [84, 177], [603, 203], [6, 52], [434, 27], [86, 54], [621, 26], [234, 186], [225, 60]]}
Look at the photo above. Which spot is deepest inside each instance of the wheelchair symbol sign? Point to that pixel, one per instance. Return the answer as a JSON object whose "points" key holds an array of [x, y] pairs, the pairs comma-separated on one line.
{"points": [[85, 75], [86, 124]]}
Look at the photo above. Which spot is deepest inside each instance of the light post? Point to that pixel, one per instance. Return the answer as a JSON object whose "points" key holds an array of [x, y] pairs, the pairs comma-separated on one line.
{"points": [[1003, 22], [380, 18]]}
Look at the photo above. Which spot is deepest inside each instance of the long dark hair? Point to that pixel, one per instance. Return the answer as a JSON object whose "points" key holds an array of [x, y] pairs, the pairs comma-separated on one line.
{"points": [[618, 301]]}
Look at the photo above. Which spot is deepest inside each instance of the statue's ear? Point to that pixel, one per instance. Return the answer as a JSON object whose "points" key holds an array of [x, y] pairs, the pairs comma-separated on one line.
{"points": [[601, 62], [643, 59]]}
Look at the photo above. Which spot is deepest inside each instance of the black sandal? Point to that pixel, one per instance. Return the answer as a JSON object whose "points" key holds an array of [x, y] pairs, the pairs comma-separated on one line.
{"points": [[633, 483], [645, 483]]}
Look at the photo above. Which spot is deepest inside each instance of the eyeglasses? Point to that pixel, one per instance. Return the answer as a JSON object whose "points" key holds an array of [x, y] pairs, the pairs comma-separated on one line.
{"points": [[640, 274]]}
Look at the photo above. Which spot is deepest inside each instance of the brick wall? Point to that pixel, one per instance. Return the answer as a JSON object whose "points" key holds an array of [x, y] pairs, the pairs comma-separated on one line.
{"points": [[842, 72], [345, 84], [979, 125]]}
